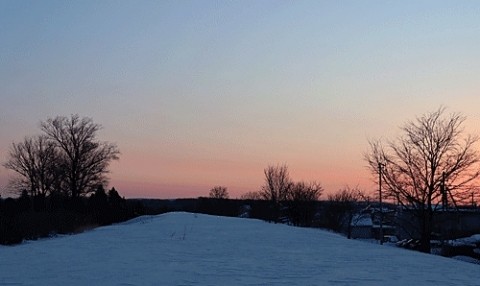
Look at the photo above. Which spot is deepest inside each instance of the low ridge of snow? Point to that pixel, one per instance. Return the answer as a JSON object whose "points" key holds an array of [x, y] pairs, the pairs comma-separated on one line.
{"points": [[468, 241], [194, 249]]}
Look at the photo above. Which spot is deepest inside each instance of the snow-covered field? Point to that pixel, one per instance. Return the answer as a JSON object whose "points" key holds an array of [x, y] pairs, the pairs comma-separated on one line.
{"points": [[190, 249]]}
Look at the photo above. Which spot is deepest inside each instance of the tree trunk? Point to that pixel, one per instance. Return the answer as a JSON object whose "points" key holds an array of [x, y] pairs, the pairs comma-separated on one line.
{"points": [[426, 233]]}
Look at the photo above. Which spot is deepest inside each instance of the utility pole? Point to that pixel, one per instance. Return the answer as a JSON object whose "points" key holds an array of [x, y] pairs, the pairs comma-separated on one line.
{"points": [[380, 167], [443, 190]]}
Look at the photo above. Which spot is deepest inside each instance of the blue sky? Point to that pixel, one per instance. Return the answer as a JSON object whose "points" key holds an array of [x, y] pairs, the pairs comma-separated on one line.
{"points": [[204, 93]]}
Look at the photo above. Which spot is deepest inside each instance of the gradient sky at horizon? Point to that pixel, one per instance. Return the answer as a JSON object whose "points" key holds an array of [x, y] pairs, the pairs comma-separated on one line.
{"points": [[205, 93]]}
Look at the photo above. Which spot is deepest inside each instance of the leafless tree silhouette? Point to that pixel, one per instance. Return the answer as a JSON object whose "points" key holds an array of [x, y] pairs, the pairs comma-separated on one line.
{"points": [[277, 183], [218, 192], [84, 159], [34, 160], [432, 159]]}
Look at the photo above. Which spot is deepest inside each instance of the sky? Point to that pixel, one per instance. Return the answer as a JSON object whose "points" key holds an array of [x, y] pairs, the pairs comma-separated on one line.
{"points": [[204, 93]]}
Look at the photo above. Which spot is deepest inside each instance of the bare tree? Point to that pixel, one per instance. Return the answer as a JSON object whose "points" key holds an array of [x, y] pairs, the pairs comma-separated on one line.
{"points": [[84, 159], [305, 192], [433, 158], [34, 160], [277, 183], [276, 188], [218, 192]]}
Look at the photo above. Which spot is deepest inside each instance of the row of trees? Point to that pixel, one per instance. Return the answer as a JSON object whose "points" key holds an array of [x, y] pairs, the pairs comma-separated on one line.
{"points": [[61, 176], [300, 207], [31, 218], [433, 165], [288, 200], [66, 158]]}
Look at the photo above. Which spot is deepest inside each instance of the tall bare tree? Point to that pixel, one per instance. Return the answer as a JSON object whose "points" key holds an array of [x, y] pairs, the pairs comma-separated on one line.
{"points": [[277, 183], [34, 160], [85, 160], [276, 188], [433, 158]]}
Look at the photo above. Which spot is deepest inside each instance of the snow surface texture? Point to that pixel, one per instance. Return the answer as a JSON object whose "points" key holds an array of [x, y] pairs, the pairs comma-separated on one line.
{"points": [[191, 249]]}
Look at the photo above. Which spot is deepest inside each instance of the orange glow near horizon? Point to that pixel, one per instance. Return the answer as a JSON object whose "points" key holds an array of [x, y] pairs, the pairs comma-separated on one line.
{"points": [[162, 177]]}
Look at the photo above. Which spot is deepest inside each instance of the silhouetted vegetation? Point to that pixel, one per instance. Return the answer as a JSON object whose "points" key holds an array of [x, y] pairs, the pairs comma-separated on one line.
{"points": [[292, 202], [432, 167], [67, 158], [30, 218], [219, 192], [61, 176], [339, 210]]}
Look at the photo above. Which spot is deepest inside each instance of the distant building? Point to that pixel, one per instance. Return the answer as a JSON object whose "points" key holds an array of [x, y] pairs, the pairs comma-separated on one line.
{"points": [[361, 226], [447, 224], [366, 225]]}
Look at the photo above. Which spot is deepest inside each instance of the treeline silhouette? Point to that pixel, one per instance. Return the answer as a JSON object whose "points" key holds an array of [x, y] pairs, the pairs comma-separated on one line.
{"points": [[30, 218], [60, 179]]}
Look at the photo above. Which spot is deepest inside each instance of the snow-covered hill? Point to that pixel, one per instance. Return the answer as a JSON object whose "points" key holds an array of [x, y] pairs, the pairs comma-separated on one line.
{"points": [[191, 249]]}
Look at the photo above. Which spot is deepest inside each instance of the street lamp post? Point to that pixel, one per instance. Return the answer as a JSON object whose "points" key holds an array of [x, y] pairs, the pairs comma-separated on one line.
{"points": [[380, 167]]}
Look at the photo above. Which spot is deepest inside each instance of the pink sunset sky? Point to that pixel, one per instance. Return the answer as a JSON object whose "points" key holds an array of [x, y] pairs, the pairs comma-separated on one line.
{"points": [[204, 93]]}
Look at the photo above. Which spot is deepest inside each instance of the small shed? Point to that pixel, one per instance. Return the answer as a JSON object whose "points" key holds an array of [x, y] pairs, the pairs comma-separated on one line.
{"points": [[361, 226]]}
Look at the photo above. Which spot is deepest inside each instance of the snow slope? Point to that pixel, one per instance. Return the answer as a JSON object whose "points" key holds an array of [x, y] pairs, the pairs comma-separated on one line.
{"points": [[190, 249]]}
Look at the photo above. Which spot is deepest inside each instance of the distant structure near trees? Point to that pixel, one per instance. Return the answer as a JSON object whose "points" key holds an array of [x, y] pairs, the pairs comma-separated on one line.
{"points": [[340, 209], [432, 166], [219, 192]]}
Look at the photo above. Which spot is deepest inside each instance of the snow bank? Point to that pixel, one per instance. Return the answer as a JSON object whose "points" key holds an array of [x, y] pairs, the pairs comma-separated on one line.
{"points": [[190, 249], [467, 241]]}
